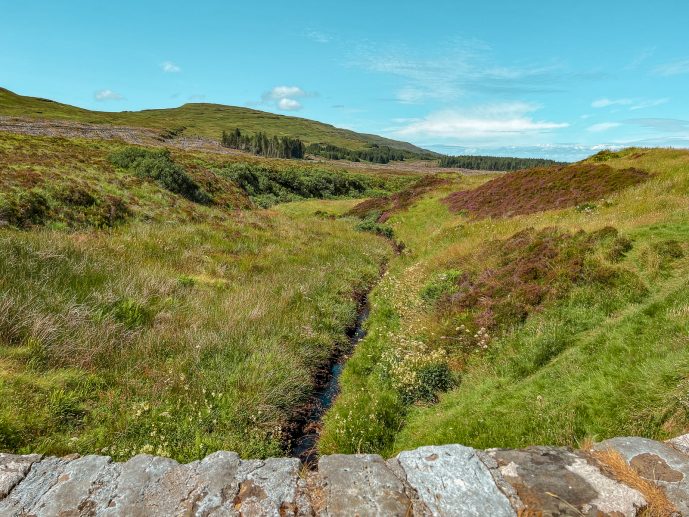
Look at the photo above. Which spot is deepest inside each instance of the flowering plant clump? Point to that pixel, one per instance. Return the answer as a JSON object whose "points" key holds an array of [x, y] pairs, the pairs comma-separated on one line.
{"points": [[417, 372]]}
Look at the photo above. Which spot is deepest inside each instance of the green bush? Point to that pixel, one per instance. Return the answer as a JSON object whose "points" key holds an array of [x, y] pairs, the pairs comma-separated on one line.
{"points": [[432, 379], [267, 186], [380, 229], [371, 224], [604, 156], [159, 167]]}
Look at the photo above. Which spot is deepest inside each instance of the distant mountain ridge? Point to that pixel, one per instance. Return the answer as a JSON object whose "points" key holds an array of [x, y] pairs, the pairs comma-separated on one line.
{"points": [[200, 119]]}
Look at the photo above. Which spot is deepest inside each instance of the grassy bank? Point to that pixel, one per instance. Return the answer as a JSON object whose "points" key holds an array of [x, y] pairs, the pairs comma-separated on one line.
{"points": [[182, 327], [463, 349]]}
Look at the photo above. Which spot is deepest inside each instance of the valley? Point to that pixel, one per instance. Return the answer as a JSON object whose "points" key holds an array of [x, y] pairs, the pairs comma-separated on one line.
{"points": [[178, 300]]}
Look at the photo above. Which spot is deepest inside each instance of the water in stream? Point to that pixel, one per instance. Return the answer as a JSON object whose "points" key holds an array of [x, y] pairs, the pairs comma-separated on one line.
{"points": [[304, 444]]}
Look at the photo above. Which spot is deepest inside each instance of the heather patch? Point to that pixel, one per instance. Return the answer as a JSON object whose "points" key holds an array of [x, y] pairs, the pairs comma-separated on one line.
{"points": [[536, 190]]}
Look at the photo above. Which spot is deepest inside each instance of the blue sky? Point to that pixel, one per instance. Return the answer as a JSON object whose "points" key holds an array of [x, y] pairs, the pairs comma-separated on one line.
{"points": [[528, 78]]}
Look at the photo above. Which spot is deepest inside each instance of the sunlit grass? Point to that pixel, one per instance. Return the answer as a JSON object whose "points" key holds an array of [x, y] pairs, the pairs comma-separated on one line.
{"points": [[180, 330], [621, 365]]}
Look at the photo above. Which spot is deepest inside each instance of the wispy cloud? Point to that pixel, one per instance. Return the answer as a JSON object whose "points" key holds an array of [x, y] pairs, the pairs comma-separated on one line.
{"points": [[670, 125], [604, 103], [632, 104], [318, 36], [169, 67], [286, 98], [673, 68], [197, 97], [455, 70], [640, 58], [649, 103], [603, 126], [502, 121], [107, 95]]}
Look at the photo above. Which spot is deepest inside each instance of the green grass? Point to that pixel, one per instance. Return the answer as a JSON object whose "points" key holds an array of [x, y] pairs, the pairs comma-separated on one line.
{"points": [[183, 328], [598, 361], [138, 317], [200, 119]]}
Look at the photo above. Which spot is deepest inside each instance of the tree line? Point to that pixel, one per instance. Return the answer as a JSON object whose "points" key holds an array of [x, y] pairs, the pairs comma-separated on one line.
{"points": [[374, 153], [287, 147], [263, 145], [494, 163]]}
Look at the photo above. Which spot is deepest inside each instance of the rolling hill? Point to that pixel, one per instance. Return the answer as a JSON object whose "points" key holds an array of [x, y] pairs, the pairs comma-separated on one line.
{"points": [[199, 119]]}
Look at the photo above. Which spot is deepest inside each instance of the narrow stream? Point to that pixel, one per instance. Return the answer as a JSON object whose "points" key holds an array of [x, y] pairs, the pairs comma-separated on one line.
{"points": [[304, 442]]}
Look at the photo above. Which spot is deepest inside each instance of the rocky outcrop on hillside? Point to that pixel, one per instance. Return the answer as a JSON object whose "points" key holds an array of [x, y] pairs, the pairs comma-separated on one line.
{"points": [[434, 480]]}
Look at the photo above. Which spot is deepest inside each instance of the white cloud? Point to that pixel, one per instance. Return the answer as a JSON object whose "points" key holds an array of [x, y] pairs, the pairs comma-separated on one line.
{"points": [[281, 92], [289, 104], [674, 68], [603, 126], [169, 67], [501, 121], [604, 103], [107, 95], [286, 97], [648, 104]]}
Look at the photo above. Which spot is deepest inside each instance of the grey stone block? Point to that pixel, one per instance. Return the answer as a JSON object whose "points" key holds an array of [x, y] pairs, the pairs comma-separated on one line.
{"points": [[361, 485], [452, 480]]}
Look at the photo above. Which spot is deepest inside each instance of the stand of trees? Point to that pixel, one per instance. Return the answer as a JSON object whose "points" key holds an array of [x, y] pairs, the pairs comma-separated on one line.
{"points": [[375, 153], [264, 145], [494, 163]]}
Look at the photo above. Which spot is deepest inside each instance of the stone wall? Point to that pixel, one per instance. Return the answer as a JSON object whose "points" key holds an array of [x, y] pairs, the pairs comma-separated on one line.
{"points": [[434, 480]]}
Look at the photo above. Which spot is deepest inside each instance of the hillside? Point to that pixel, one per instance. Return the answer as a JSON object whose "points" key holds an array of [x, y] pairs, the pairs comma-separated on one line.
{"points": [[199, 119], [514, 318]]}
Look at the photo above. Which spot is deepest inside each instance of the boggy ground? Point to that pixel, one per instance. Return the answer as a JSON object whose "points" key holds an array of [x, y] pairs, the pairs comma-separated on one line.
{"points": [[553, 327], [137, 315]]}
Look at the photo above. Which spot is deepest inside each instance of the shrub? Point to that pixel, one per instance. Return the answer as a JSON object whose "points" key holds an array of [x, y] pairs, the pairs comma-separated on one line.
{"points": [[619, 248], [604, 156], [670, 249], [433, 378], [267, 186], [158, 166], [370, 224], [112, 210], [25, 209], [76, 195], [586, 208]]}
